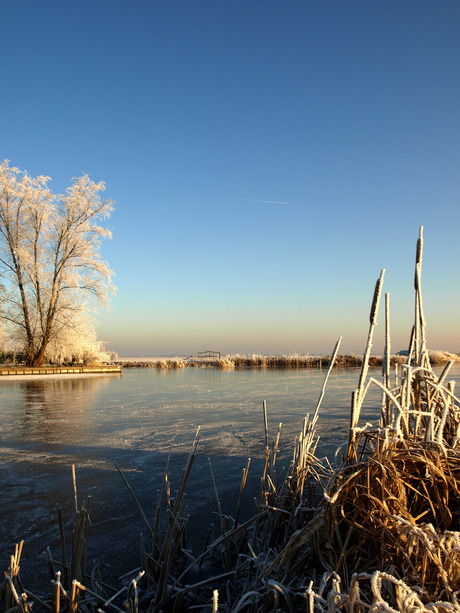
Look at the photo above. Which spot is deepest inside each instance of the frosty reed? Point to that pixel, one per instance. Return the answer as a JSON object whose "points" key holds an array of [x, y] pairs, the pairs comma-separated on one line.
{"points": [[283, 361]]}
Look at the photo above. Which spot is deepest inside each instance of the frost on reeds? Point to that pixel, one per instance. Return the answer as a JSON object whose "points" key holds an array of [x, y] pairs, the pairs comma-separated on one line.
{"points": [[240, 362], [378, 531], [441, 357], [299, 361], [152, 363], [284, 361], [169, 363]]}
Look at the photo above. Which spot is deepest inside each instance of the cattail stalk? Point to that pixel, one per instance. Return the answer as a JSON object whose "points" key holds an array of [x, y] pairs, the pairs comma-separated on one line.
{"points": [[385, 418], [358, 395]]}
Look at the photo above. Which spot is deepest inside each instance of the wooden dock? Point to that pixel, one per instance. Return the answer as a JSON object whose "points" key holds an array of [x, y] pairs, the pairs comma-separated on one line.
{"points": [[58, 370]]}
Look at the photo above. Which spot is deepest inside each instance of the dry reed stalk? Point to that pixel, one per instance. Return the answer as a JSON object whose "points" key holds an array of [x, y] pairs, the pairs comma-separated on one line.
{"points": [[76, 572], [141, 510], [231, 535], [174, 537], [132, 597], [265, 424], [74, 482], [156, 530], [359, 395], [287, 504], [274, 453], [78, 559], [9, 591], [63, 546], [268, 474], [421, 353], [240, 495], [306, 444], [56, 593], [323, 388], [385, 417], [223, 526]]}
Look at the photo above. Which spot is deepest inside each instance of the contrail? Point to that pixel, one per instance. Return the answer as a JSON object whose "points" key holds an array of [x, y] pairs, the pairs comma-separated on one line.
{"points": [[266, 201]]}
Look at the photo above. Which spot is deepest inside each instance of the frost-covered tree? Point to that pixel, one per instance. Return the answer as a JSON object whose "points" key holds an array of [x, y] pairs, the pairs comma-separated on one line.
{"points": [[50, 266], [77, 342]]}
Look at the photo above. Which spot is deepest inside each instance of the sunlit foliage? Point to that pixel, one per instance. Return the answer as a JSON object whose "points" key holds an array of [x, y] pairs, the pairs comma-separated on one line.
{"points": [[51, 270]]}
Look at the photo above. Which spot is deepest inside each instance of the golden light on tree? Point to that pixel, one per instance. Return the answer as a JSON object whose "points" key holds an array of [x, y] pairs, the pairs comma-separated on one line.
{"points": [[52, 274]]}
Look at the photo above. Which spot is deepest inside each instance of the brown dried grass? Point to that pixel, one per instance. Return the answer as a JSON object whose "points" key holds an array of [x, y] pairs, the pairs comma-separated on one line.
{"points": [[414, 484]]}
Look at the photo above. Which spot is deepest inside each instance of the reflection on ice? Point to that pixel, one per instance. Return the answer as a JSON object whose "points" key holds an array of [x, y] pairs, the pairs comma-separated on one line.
{"points": [[57, 410]]}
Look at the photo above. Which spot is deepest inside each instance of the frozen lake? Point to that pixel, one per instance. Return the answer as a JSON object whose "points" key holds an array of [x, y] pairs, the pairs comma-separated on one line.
{"points": [[135, 419]]}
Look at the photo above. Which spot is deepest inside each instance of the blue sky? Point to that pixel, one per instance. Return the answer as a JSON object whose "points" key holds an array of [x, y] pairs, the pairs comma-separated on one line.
{"points": [[267, 159]]}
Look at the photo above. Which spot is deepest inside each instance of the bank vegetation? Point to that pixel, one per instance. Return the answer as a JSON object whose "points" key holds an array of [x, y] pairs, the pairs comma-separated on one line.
{"points": [[239, 362]]}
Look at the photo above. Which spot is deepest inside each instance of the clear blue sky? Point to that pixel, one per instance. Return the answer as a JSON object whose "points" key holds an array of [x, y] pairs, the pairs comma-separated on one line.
{"points": [[266, 158]]}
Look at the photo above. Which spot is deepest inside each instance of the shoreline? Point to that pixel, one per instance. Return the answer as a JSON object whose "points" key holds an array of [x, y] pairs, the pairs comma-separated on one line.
{"points": [[236, 362], [259, 361]]}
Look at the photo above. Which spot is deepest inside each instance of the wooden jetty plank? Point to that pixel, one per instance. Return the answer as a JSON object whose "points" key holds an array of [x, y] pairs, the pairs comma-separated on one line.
{"points": [[59, 370]]}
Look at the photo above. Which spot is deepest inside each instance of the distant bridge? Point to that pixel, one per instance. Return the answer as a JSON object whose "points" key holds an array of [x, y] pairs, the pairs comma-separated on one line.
{"points": [[204, 356], [208, 354]]}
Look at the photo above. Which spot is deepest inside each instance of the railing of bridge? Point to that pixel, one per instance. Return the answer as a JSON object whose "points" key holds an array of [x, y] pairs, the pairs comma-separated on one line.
{"points": [[209, 354]]}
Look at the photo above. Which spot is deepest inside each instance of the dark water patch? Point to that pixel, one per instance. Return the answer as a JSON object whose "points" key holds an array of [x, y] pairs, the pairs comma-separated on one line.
{"points": [[31, 490]]}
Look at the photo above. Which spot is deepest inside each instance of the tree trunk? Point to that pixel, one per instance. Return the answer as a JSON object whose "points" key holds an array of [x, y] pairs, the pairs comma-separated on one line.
{"points": [[29, 353], [40, 356], [37, 358]]}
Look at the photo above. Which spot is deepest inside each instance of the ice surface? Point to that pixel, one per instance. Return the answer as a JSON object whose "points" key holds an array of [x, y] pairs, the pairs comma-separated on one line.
{"points": [[136, 419]]}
